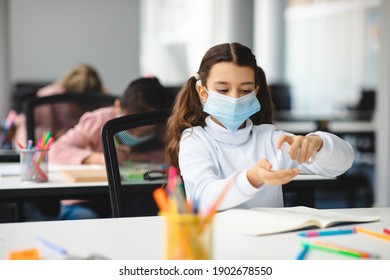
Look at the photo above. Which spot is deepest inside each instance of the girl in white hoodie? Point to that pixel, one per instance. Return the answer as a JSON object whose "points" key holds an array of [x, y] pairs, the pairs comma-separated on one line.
{"points": [[221, 129]]}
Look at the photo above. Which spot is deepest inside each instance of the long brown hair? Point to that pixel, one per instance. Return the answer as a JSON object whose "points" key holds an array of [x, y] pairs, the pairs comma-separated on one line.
{"points": [[188, 110]]}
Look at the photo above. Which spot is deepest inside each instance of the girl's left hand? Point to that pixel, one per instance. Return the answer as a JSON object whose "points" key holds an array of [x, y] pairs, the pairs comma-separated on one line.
{"points": [[301, 147]]}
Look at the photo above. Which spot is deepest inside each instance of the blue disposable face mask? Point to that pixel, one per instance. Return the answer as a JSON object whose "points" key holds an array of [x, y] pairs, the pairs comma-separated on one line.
{"points": [[131, 140], [231, 112]]}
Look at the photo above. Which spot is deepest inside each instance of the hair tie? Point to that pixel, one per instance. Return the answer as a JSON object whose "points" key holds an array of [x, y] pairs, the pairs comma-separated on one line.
{"points": [[197, 77], [198, 81]]}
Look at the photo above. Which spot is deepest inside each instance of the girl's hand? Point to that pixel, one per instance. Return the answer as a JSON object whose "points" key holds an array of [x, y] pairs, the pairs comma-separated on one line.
{"points": [[94, 158], [262, 173], [301, 147]]}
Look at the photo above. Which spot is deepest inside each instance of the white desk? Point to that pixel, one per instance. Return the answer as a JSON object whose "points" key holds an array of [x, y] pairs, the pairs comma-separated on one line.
{"points": [[58, 187], [55, 178], [12, 189], [142, 239]]}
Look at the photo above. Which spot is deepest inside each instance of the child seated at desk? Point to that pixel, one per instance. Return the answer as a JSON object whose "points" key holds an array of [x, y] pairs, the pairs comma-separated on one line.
{"points": [[221, 131], [82, 144], [58, 118]]}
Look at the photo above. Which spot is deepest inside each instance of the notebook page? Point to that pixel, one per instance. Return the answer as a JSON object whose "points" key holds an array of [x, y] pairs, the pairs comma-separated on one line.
{"points": [[261, 221]]}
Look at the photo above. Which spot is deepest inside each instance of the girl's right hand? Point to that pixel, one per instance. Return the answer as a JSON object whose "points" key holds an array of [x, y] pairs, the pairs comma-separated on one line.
{"points": [[262, 173]]}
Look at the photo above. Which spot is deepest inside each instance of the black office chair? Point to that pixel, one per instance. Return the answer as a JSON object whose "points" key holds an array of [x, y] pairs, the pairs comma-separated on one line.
{"points": [[281, 99], [63, 118], [135, 169], [366, 105], [24, 90]]}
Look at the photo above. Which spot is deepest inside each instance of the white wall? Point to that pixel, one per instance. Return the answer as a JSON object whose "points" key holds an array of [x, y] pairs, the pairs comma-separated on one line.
{"points": [[173, 39], [233, 22], [382, 193], [326, 48], [269, 38], [47, 37], [176, 33]]}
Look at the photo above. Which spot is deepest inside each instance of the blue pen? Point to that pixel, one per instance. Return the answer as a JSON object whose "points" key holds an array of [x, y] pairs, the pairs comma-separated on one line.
{"points": [[327, 232], [302, 254], [51, 246]]}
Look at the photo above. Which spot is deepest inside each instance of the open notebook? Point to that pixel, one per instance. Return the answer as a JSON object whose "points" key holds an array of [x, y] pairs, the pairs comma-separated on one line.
{"points": [[261, 221]]}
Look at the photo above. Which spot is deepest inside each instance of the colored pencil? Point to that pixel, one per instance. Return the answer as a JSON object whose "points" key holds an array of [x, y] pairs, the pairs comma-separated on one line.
{"points": [[373, 233]]}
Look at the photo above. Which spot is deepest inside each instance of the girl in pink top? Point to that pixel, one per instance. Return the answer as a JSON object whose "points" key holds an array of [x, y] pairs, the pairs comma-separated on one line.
{"points": [[58, 118], [82, 144]]}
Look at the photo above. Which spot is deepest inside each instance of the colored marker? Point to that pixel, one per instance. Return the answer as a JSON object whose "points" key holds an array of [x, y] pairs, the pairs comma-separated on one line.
{"points": [[315, 233], [172, 174], [302, 254], [39, 170], [51, 245], [387, 231], [29, 155], [29, 144], [20, 145], [337, 250], [161, 199], [49, 142], [339, 247], [47, 137], [28, 254], [373, 233]]}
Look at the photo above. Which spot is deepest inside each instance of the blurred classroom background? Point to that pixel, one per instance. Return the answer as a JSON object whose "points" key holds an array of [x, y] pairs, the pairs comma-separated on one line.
{"points": [[327, 61]]}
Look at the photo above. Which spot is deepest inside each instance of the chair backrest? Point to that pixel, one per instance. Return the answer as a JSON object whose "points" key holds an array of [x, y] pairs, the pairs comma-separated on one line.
{"points": [[64, 110], [24, 90], [134, 153], [281, 96]]}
